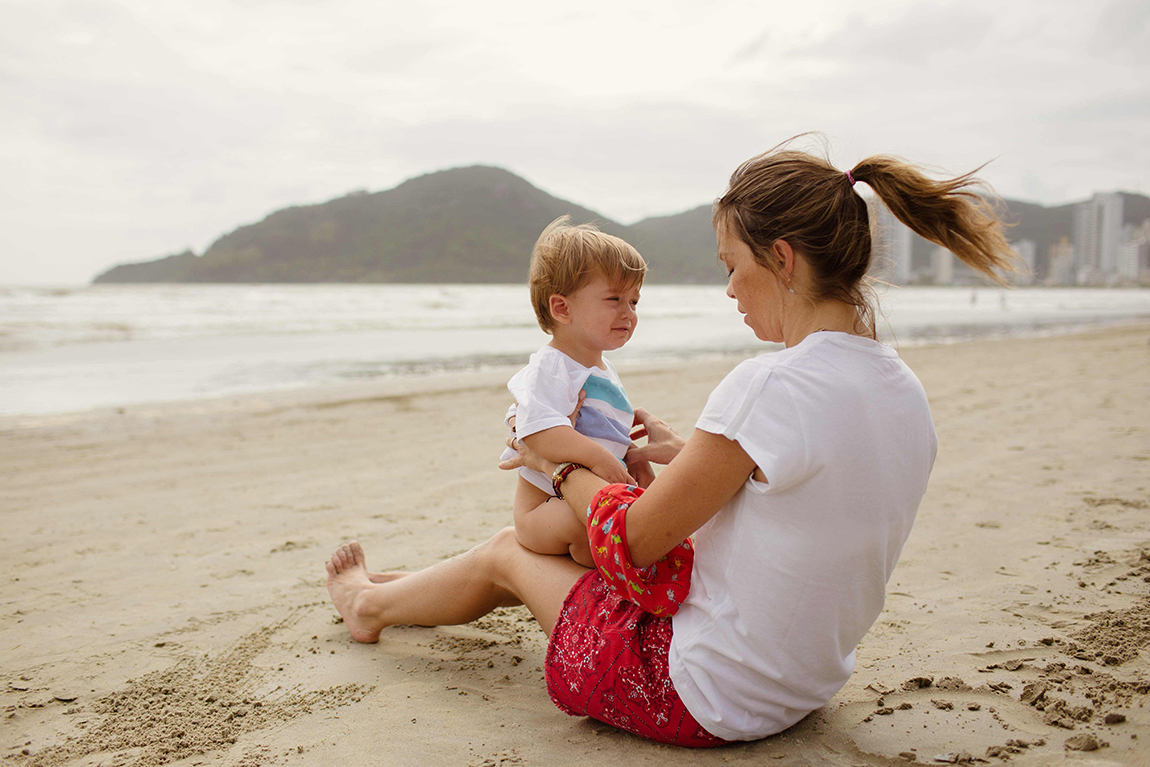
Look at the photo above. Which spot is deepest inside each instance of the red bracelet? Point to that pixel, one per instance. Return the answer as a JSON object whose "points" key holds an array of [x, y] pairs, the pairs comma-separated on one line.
{"points": [[560, 474]]}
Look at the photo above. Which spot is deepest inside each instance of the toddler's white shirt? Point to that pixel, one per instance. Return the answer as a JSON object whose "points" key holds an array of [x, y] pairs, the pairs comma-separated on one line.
{"points": [[546, 392]]}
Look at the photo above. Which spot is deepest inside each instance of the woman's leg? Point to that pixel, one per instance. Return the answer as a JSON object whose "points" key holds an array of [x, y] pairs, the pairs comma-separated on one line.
{"points": [[497, 573]]}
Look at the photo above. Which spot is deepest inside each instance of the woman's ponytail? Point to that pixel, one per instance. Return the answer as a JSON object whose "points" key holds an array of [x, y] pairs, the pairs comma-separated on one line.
{"points": [[948, 212]]}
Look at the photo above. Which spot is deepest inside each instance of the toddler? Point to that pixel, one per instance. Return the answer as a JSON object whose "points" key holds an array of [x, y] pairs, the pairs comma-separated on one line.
{"points": [[584, 289]]}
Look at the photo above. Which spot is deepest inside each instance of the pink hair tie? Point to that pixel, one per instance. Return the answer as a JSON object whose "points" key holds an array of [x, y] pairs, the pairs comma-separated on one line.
{"points": [[850, 178]]}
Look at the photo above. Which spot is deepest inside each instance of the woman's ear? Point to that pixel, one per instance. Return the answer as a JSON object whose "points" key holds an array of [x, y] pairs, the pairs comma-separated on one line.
{"points": [[560, 309], [786, 256]]}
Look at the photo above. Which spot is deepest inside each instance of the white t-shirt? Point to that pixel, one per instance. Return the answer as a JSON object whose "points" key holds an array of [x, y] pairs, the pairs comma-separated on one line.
{"points": [[791, 573], [546, 392]]}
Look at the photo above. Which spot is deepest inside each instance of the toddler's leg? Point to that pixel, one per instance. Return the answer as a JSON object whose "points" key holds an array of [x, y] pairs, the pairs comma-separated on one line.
{"points": [[547, 525]]}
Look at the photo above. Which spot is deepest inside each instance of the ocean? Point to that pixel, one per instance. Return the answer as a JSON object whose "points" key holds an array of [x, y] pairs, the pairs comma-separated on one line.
{"points": [[70, 349]]}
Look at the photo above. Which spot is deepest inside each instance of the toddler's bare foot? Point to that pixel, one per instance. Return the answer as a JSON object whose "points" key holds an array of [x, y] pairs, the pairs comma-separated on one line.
{"points": [[350, 590], [361, 559]]}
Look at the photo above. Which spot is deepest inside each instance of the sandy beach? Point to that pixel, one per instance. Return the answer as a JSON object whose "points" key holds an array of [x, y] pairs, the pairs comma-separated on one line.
{"points": [[163, 600]]}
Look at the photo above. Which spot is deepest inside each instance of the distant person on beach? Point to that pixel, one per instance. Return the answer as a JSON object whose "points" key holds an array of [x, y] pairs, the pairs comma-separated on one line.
{"points": [[585, 292], [799, 484]]}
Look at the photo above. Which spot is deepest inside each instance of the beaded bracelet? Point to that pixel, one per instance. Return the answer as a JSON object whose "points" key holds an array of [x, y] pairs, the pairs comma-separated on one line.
{"points": [[560, 474]]}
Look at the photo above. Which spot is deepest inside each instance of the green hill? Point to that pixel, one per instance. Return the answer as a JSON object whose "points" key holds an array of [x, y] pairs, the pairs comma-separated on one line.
{"points": [[681, 248], [463, 225], [177, 268]]}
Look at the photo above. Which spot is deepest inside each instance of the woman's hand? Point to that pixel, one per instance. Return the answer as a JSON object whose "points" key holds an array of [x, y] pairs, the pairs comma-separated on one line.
{"points": [[525, 456], [641, 470], [663, 442]]}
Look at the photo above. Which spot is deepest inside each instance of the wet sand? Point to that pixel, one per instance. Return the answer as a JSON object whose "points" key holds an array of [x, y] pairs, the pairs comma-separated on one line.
{"points": [[162, 596]]}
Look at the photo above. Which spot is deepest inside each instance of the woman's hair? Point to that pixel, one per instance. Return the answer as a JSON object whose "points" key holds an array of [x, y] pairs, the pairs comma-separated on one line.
{"points": [[566, 256], [798, 197]]}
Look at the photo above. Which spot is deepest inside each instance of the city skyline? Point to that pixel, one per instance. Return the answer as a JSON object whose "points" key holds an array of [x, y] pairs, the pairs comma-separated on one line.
{"points": [[1102, 248]]}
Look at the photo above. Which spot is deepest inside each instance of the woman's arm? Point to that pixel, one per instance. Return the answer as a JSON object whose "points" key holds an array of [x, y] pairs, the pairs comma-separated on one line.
{"points": [[706, 474]]}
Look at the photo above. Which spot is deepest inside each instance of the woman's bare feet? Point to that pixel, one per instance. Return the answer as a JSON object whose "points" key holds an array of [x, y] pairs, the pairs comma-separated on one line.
{"points": [[351, 592], [358, 555]]}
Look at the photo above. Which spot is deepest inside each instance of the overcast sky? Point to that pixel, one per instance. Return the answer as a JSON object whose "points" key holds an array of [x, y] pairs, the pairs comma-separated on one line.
{"points": [[135, 129]]}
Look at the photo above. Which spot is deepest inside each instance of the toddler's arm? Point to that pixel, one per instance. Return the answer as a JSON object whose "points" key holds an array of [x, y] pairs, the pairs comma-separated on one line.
{"points": [[563, 443]]}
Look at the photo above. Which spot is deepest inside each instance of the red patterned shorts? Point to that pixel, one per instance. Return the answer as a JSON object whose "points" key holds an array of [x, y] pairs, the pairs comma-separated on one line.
{"points": [[607, 659]]}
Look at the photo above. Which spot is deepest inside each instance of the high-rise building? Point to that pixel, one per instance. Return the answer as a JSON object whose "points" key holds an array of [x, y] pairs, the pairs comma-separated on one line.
{"points": [[1086, 235], [1027, 250], [1134, 252], [892, 245], [1062, 270], [1097, 235], [942, 264]]}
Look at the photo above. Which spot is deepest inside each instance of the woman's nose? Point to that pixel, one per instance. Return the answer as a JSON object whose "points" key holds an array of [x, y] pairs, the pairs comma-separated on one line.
{"points": [[730, 292]]}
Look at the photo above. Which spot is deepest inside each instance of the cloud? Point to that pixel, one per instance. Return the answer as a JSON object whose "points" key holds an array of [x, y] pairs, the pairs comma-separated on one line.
{"points": [[905, 37], [135, 128], [753, 49], [1122, 31], [1133, 104]]}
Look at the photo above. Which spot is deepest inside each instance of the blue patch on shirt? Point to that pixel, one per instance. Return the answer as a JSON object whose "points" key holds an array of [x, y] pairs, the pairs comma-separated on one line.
{"points": [[607, 391]]}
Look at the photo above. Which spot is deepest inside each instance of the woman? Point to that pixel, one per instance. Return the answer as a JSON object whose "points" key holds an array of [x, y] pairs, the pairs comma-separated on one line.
{"points": [[799, 484]]}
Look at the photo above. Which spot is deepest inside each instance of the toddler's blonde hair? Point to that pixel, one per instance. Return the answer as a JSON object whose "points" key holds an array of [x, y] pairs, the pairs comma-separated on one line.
{"points": [[566, 256]]}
